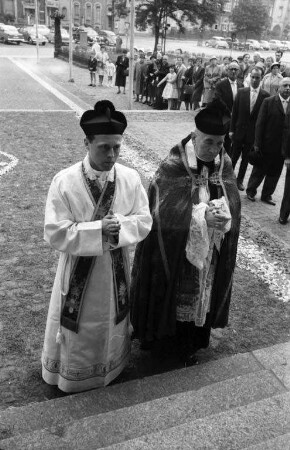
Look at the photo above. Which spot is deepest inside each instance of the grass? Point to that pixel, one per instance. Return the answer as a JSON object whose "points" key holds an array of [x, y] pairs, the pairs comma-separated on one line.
{"points": [[44, 145]]}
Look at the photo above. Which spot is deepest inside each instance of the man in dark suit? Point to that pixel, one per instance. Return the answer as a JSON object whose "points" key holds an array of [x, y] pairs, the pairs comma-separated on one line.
{"points": [[285, 205], [242, 129], [272, 129], [226, 90]]}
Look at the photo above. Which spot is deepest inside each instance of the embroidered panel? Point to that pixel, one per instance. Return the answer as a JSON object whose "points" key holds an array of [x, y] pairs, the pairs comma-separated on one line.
{"points": [[81, 374]]}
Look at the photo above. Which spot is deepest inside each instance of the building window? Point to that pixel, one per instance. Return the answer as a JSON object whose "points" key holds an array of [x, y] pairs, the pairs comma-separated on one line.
{"points": [[76, 11], [64, 12], [227, 7], [97, 14], [88, 14]]}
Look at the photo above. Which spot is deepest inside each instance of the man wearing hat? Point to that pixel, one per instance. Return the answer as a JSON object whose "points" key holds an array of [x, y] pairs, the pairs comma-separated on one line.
{"points": [[183, 271], [272, 141], [226, 90], [212, 75], [95, 209]]}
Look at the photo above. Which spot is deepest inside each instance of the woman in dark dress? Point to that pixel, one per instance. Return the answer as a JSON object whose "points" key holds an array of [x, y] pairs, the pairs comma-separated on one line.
{"points": [[122, 65], [187, 81], [198, 74]]}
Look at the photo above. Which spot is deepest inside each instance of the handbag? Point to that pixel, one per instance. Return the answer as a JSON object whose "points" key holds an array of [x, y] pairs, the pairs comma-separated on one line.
{"points": [[126, 72], [255, 157], [188, 89]]}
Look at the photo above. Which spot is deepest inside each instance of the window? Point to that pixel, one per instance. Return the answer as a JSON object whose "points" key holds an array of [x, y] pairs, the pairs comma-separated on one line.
{"points": [[227, 7], [97, 14], [88, 14], [64, 12], [76, 10]]}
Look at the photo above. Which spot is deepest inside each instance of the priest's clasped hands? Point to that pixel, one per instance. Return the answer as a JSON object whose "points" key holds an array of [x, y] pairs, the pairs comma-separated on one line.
{"points": [[216, 217], [111, 225]]}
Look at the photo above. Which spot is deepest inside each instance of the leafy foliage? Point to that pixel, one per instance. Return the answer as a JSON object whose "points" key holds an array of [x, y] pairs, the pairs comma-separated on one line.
{"points": [[251, 16], [155, 13]]}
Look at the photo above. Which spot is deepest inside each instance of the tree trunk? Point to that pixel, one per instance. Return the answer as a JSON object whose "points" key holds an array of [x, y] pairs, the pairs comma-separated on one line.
{"points": [[157, 31], [57, 36]]}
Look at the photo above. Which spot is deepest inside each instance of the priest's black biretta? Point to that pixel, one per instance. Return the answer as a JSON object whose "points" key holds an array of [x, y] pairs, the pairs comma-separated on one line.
{"points": [[103, 119], [214, 118]]}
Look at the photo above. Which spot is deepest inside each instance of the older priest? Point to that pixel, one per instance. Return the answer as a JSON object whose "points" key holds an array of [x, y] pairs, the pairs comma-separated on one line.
{"points": [[183, 271], [95, 209]]}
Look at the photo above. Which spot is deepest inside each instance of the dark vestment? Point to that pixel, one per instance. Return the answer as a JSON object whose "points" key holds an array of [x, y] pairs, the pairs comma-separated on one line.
{"points": [[161, 273], [243, 126], [272, 129], [122, 64]]}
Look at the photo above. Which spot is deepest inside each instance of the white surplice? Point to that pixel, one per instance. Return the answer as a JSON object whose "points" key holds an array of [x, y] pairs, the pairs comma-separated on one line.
{"points": [[100, 350]]}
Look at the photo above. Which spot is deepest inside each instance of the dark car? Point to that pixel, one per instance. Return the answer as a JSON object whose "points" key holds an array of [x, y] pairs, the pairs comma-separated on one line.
{"points": [[92, 35], [10, 35], [107, 37]]}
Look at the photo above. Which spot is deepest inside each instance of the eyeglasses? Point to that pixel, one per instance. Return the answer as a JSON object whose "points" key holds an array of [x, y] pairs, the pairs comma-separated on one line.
{"points": [[233, 69]]}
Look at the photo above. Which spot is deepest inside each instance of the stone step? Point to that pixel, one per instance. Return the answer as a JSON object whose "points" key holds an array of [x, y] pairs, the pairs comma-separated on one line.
{"points": [[166, 413], [64, 410], [230, 430], [279, 443]]}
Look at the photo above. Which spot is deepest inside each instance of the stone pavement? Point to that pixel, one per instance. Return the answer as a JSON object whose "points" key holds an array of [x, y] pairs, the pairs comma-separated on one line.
{"points": [[161, 132]]}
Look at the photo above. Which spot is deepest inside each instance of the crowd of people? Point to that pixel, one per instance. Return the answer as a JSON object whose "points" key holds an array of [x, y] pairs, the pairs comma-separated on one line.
{"points": [[186, 230]]}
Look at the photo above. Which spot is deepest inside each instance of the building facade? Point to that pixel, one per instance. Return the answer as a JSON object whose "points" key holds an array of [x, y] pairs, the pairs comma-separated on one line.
{"points": [[94, 13]]}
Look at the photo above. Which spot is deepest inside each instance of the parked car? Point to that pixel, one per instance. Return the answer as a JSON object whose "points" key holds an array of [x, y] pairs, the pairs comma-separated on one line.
{"points": [[217, 42], [92, 35], [64, 36], [107, 37], [42, 29], [9, 34], [265, 45], [275, 44], [233, 43], [285, 45], [252, 44], [29, 35]]}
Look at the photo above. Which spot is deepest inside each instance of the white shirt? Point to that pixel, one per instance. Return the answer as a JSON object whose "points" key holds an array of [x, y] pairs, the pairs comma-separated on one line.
{"points": [[253, 96], [234, 87], [284, 102]]}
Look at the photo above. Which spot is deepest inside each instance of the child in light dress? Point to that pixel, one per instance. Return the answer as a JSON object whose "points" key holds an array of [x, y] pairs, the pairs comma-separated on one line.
{"points": [[111, 69], [170, 91]]}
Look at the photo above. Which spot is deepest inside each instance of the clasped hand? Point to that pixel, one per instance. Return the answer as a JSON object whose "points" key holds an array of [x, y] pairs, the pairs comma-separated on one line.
{"points": [[110, 225], [216, 218]]}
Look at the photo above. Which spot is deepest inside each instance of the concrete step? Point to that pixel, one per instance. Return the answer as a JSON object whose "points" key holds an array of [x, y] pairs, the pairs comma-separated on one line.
{"points": [[64, 410], [279, 443], [230, 430], [128, 426]]}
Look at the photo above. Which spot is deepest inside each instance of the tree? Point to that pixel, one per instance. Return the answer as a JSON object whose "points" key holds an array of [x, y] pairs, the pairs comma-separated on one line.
{"points": [[251, 16], [57, 17], [155, 13]]}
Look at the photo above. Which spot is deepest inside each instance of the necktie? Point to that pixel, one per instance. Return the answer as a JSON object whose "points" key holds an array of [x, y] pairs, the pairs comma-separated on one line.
{"points": [[254, 94]]}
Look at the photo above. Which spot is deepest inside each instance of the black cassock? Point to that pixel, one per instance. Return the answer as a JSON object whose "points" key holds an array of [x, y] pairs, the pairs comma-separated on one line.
{"points": [[161, 274]]}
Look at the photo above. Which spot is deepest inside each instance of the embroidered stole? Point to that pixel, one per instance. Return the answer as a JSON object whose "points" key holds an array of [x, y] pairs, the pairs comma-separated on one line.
{"points": [[72, 302]]}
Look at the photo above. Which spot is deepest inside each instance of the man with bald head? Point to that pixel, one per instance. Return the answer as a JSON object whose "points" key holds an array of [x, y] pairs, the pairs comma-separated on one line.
{"points": [[271, 137]]}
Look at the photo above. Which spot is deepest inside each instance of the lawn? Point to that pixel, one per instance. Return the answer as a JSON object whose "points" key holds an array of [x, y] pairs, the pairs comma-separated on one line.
{"points": [[44, 144]]}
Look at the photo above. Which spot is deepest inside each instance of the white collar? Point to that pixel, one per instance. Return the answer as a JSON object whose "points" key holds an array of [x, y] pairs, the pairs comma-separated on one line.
{"points": [[232, 81], [97, 174], [255, 90]]}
